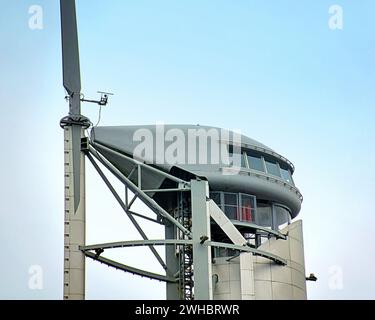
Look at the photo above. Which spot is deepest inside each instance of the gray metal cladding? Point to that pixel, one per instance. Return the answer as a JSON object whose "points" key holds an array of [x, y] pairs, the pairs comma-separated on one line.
{"points": [[125, 139]]}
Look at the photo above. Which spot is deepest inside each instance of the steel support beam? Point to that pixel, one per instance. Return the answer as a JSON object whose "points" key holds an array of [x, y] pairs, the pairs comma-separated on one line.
{"points": [[143, 217], [201, 232], [140, 164], [126, 268], [123, 206], [132, 201], [139, 193], [166, 190]]}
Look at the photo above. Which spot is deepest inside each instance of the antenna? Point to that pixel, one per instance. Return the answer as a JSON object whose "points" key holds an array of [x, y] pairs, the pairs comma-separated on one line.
{"points": [[103, 98]]}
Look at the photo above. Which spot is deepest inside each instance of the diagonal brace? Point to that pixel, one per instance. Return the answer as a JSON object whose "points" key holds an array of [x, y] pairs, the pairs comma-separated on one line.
{"points": [[139, 193], [123, 206]]}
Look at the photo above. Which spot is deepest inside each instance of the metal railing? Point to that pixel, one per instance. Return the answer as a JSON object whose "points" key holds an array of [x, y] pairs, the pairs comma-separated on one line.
{"points": [[265, 176]]}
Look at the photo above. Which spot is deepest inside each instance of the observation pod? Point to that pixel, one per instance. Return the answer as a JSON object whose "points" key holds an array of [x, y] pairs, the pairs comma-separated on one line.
{"points": [[227, 203]]}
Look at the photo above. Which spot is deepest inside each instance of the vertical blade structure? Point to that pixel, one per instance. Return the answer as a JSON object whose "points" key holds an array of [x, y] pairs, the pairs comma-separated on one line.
{"points": [[76, 150], [70, 55], [72, 84]]}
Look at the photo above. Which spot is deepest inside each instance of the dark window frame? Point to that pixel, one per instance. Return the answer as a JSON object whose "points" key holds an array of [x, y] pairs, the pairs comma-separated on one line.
{"points": [[254, 211]]}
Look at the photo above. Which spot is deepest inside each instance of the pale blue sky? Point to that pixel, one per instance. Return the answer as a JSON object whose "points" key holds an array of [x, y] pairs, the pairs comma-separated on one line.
{"points": [[272, 69]]}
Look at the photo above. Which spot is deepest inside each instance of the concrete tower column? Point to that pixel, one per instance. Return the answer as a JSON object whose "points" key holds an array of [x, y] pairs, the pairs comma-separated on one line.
{"points": [[74, 225]]}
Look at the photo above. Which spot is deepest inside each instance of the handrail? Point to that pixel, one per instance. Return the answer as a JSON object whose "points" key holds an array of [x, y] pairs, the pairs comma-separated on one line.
{"points": [[256, 252], [135, 243], [265, 176], [277, 234], [159, 242]]}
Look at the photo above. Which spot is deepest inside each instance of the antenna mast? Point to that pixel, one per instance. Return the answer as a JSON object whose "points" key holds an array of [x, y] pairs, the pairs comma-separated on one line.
{"points": [[74, 161]]}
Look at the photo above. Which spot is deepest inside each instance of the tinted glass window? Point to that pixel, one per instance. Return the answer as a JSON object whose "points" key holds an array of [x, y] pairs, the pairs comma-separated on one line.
{"points": [[247, 208], [255, 162], [231, 212], [237, 160], [285, 174], [231, 205], [281, 217], [273, 168], [264, 215], [243, 161], [230, 199], [216, 197], [236, 157], [224, 252]]}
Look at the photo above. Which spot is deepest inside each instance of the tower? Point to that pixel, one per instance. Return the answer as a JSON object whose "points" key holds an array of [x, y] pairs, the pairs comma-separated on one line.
{"points": [[229, 232], [226, 201]]}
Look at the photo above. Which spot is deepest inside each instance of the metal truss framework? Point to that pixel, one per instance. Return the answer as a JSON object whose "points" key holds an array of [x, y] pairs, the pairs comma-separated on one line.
{"points": [[201, 242]]}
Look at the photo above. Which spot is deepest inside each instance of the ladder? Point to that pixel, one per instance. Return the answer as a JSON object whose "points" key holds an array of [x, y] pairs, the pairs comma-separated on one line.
{"points": [[185, 252]]}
